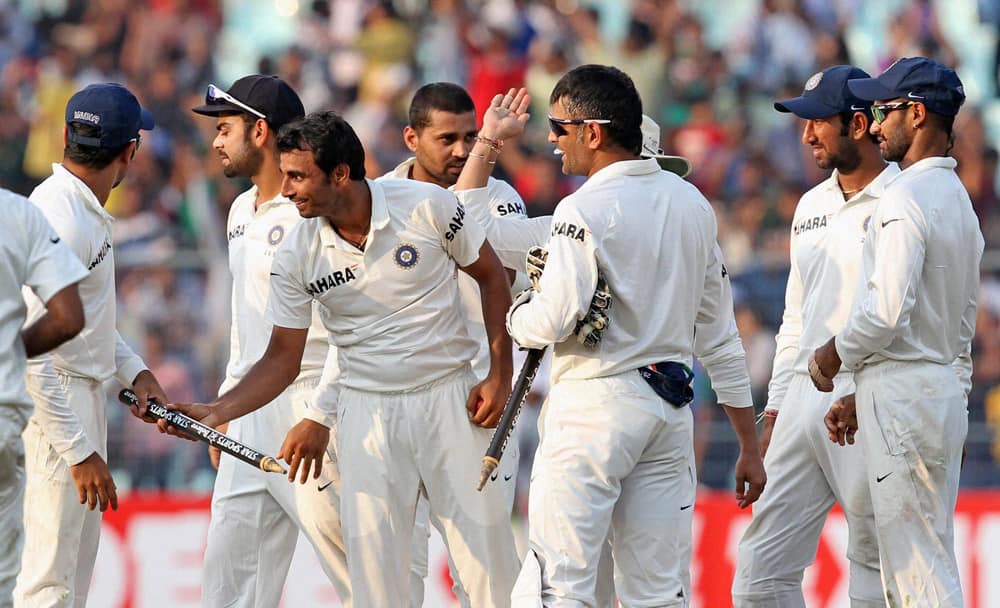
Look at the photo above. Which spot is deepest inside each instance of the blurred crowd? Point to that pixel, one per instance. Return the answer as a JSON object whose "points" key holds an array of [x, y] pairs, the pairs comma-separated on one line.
{"points": [[707, 71]]}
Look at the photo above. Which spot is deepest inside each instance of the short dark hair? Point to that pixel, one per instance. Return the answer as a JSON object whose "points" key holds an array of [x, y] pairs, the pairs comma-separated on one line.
{"points": [[331, 140], [602, 91], [89, 156], [845, 124], [441, 96]]}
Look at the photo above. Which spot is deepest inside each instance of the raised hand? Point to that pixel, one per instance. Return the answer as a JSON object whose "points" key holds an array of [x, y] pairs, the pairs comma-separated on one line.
{"points": [[507, 115]]}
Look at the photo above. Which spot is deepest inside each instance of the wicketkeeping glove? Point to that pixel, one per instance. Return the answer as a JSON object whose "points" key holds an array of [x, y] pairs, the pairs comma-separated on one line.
{"points": [[590, 329], [536, 264]]}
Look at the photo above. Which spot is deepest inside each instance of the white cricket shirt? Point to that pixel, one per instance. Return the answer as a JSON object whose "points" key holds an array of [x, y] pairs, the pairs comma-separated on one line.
{"points": [[827, 237], [654, 237], [501, 202], [254, 237], [98, 352], [31, 255], [393, 310], [921, 272]]}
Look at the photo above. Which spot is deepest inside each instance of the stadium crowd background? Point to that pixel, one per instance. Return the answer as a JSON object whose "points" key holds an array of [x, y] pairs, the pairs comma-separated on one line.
{"points": [[707, 70]]}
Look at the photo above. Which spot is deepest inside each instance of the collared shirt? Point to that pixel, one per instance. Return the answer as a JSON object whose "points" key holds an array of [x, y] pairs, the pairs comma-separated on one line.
{"points": [[33, 255], [392, 310], [653, 235], [98, 352], [501, 203], [827, 237], [921, 271], [254, 237]]}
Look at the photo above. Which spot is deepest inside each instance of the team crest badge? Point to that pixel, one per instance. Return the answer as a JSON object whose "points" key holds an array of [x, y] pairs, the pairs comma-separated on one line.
{"points": [[814, 80], [406, 256], [275, 234]]}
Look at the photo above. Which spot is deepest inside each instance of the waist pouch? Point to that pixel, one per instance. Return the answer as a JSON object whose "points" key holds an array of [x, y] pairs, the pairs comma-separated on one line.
{"points": [[671, 381]]}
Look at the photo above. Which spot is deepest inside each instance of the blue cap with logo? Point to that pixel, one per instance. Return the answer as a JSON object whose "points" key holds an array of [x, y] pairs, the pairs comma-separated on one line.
{"points": [[112, 110], [826, 93], [917, 79]]}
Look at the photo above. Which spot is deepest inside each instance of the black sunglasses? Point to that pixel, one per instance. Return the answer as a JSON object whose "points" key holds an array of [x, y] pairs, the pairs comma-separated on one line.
{"points": [[556, 124], [881, 110]]}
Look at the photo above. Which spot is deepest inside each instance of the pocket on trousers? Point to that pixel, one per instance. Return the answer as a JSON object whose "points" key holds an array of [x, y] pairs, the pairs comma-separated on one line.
{"points": [[894, 437]]}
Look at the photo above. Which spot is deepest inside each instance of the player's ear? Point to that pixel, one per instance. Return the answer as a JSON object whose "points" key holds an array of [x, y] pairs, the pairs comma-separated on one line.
{"points": [[594, 134], [260, 131], [410, 136], [341, 174]]}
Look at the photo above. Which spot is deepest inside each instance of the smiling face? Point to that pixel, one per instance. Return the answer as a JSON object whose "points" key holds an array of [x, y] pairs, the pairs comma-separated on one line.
{"points": [[234, 144], [569, 141], [305, 184], [894, 139], [832, 147], [442, 146]]}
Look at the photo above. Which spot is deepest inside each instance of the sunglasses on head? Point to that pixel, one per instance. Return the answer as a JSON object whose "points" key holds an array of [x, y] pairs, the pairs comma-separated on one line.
{"points": [[217, 95], [557, 124], [881, 110]]}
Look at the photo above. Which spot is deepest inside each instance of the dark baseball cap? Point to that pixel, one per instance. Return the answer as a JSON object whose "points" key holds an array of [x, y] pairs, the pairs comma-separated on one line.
{"points": [[267, 97], [916, 78], [826, 93], [111, 109]]}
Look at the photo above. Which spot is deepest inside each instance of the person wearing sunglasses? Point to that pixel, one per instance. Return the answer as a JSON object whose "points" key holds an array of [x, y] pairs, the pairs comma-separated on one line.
{"points": [[66, 437], [908, 336], [616, 454], [257, 516], [806, 474]]}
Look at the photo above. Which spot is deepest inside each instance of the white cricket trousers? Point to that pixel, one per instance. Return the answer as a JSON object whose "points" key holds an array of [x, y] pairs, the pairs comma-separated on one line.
{"points": [[396, 446], [60, 534], [605, 465], [12, 421], [256, 516], [806, 474], [917, 413]]}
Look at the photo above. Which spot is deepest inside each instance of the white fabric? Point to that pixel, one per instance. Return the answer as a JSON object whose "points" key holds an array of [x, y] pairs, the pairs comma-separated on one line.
{"points": [[28, 257], [921, 272], [827, 236], [77, 216], [11, 501], [254, 237], [256, 516], [601, 470], [914, 475], [806, 474], [502, 203], [394, 447], [392, 310], [97, 352], [60, 535]]}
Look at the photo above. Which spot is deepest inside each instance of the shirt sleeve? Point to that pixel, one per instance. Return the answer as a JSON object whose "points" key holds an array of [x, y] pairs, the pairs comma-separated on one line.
{"points": [[715, 275], [127, 363], [787, 348], [50, 265], [461, 235], [567, 285], [288, 304], [890, 291], [511, 235], [718, 346], [322, 404], [963, 363]]}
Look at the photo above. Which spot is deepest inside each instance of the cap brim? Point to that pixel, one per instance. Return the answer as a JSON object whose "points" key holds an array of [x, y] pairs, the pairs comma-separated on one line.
{"points": [[146, 122], [805, 107], [216, 109], [870, 89], [674, 164]]}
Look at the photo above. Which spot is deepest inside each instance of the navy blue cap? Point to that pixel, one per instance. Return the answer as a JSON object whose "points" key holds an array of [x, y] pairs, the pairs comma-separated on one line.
{"points": [[826, 93], [916, 78], [268, 97], [111, 109]]}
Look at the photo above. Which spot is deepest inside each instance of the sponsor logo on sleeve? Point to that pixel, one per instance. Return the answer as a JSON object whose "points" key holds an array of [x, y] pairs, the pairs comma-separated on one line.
{"points": [[456, 223], [103, 253], [572, 231], [510, 208]]}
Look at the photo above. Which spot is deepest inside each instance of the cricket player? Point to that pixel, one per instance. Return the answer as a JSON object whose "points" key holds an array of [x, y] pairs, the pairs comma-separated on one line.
{"points": [[255, 515], [441, 132], [66, 437], [806, 474], [616, 450], [380, 258], [908, 335], [32, 255], [717, 343]]}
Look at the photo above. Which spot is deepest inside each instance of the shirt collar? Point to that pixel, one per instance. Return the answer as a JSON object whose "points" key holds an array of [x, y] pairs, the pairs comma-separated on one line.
{"points": [[642, 166], [931, 162], [380, 218], [402, 170], [873, 189], [84, 191], [280, 199]]}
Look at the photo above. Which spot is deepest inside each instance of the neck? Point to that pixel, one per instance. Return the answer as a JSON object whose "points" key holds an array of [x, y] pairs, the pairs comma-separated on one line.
{"points": [[603, 158], [418, 173], [353, 215], [267, 179], [858, 178], [100, 181], [927, 143]]}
